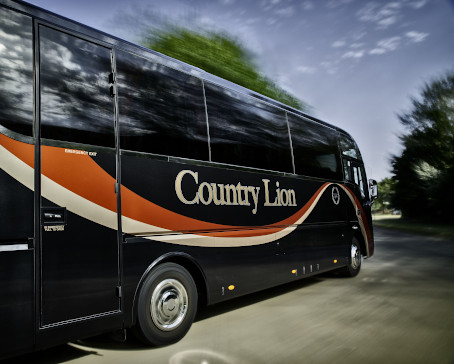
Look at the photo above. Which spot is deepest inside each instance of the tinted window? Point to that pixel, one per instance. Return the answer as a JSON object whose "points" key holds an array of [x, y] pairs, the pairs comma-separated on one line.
{"points": [[162, 110], [359, 179], [245, 131], [76, 104], [314, 149], [349, 147], [16, 72], [347, 170]]}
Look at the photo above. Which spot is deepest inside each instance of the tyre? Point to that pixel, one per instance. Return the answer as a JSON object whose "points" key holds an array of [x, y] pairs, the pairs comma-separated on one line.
{"points": [[166, 305], [354, 261]]}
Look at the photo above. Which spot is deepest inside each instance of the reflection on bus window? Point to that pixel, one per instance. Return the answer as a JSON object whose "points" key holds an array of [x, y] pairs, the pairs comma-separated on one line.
{"points": [[361, 183], [162, 110], [76, 105], [347, 170], [16, 72], [314, 148], [246, 131], [349, 147], [359, 180]]}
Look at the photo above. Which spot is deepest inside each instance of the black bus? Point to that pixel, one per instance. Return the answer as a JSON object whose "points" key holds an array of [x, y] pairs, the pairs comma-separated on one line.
{"points": [[135, 188]]}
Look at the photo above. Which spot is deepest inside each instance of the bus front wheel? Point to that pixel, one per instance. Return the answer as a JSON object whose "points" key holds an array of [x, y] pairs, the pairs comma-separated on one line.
{"points": [[166, 306], [354, 261], [355, 258]]}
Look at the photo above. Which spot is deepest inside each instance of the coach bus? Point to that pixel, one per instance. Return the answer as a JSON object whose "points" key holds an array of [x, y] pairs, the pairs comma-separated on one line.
{"points": [[135, 188]]}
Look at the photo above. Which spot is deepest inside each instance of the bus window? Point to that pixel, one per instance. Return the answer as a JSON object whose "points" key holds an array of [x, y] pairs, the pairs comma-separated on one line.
{"points": [[162, 110], [76, 105], [349, 147], [347, 171], [16, 72], [355, 175], [314, 148], [358, 174], [362, 180], [245, 131]]}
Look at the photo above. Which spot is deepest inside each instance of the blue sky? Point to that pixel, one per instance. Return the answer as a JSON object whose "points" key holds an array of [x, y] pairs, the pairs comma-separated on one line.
{"points": [[356, 62]]}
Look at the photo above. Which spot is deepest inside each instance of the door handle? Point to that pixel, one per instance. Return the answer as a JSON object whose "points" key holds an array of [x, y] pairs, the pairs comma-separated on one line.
{"points": [[53, 216], [50, 216]]}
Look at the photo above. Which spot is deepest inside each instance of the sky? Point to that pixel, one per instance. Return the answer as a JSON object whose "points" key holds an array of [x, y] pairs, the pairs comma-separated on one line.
{"points": [[357, 63]]}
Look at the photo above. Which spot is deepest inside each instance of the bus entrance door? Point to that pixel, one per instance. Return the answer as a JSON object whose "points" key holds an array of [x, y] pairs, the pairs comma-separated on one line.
{"points": [[78, 270]]}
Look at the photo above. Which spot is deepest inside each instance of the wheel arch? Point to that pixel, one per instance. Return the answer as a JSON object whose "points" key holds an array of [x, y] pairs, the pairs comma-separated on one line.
{"points": [[362, 243], [186, 261]]}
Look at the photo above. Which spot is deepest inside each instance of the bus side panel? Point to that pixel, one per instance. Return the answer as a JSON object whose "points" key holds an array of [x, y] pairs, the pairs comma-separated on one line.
{"points": [[140, 253], [16, 302], [236, 271], [267, 240], [16, 256], [16, 202], [314, 249]]}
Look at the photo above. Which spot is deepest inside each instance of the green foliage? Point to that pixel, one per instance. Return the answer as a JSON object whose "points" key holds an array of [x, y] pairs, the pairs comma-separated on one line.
{"points": [[220, 55], [383, 203], [424, 172]]}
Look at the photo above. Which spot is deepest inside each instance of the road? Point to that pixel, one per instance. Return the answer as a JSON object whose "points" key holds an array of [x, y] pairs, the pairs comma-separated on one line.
{"points": [[400, 309]]}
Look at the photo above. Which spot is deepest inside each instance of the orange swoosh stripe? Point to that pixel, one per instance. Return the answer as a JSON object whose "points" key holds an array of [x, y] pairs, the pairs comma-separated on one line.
{"points": [[83, 176], [275, 227], [24, 151], [79, 174]]}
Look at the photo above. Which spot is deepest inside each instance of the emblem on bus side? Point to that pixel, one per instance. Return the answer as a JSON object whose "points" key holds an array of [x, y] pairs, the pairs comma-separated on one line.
{"points": [[335, 195]]}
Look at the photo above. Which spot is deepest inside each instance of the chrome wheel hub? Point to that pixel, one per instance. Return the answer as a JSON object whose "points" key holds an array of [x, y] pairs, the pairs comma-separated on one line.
{"points": [[355, 256], [169, 304]]}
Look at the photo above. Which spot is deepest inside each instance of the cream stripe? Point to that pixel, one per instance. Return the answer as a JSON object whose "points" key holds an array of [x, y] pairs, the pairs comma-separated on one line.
{"points": [[134, 227], [77, 204], [227, 242], [89, 210], [17, 168]]}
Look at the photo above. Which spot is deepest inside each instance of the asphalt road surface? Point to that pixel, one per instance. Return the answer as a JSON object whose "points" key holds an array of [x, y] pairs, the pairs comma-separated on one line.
{"points": [[400, 309]]}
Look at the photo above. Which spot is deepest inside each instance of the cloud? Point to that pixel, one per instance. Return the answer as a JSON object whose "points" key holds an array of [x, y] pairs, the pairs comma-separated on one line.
{"points": [[418, 4], [386, 22], [332, 4], [287, 12], [356, 45], [386, 45], [353, 54], [338, 44], [306, 70], [382, 15], [330, 67], [268, 4], [416, 37], [307, 5]]}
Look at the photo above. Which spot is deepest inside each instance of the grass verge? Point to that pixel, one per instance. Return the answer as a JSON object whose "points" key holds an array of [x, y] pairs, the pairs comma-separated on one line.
{"points": [[396, 222]]}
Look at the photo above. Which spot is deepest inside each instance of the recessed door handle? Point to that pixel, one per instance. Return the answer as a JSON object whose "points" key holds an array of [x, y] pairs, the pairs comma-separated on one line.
{"points": [[50, 216]]}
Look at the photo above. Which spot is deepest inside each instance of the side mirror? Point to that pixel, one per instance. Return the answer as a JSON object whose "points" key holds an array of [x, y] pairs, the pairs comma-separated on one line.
{"points": [[373, 190]]}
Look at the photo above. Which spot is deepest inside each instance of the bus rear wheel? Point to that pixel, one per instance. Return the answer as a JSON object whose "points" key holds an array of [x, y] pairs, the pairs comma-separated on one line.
{"points": [[166, 306]]}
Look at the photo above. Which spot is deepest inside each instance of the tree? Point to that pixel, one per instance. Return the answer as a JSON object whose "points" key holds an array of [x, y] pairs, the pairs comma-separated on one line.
{"points": [[386, 189], [220, 55], [424, 172]]}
